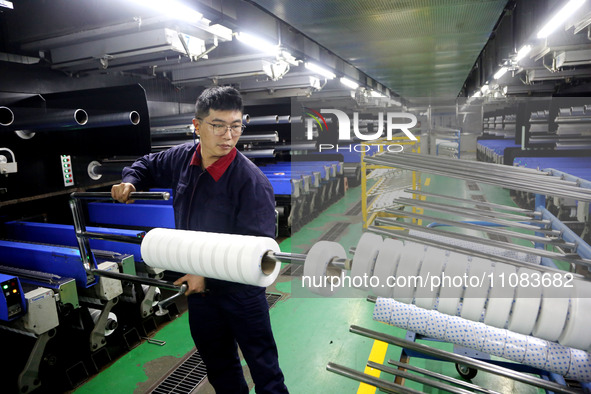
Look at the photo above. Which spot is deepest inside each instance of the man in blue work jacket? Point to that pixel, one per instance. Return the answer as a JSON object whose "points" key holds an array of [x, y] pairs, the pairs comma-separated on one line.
{"points": [[217, 189]]}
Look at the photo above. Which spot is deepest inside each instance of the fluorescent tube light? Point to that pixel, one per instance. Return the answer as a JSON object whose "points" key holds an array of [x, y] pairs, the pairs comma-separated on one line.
{"points": [[348, 83], [500, 73], [173, 9], [560, 17], [320, 70], [522, 52], [258, 43]]}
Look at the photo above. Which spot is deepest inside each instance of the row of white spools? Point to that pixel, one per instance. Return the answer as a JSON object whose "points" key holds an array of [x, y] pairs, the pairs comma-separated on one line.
{"points": [[527, 313]]}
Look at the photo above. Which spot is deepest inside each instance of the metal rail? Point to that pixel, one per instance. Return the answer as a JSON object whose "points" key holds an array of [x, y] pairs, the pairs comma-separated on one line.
{"points": [[419, 379], [534, 182], [132, 196], [478, 215], [443, 377], [492, 230], [459, 210], [490, 242], [386, 386], [455, 248], [460, 359], [472, 202]]}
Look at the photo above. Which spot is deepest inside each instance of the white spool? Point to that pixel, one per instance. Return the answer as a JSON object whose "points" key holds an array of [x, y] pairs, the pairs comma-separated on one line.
{"points": [[408, 267], [96, 313], [553, 310], [580, 366], [383, 310], [494, 342], [432, 266], [401, 314], [450, 294], [500, 297], [515, 346], [527, 303], [576, 331], [456, 329], [386, 265], [418, 320], [365, 257], [475, 335], [559, 357], [536, 353], [203, 249], [316, 264], [436, 325], [475, 296]]}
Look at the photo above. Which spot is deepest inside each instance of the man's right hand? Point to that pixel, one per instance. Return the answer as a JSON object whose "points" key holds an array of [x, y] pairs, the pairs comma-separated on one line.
{"points": [[121, 192], [195, 283]]}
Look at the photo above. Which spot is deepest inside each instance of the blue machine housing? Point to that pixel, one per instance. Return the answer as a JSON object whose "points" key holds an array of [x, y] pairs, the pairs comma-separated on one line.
{"points": [[12, 299]]}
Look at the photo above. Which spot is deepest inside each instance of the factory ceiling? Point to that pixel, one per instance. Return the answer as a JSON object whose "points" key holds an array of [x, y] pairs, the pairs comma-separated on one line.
{"points": [[418, 48]]}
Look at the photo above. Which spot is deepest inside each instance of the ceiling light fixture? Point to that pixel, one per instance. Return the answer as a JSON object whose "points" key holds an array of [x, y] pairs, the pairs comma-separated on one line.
{"points": [[560, 17], [500, 73], [522, 52], [258, 43], [320, 70], [173, 9], [349, 83]]}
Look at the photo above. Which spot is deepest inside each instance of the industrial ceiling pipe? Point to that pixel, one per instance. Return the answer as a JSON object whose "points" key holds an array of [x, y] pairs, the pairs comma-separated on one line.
{"points": [[131, 118], [6, 116]]}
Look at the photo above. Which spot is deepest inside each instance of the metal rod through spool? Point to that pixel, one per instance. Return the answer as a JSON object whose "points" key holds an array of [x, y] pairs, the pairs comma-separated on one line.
{"points": [[419, 379], [464, 213], [441, 376], [456, 209], [460, 359], [472, 202], [491, 230], [535, 186], [298, 258], [455, 248], [490, 242], [371, 380]]}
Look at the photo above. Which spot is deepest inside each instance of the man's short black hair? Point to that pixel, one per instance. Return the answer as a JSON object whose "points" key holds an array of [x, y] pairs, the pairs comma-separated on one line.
{"points": [[218, 98]]}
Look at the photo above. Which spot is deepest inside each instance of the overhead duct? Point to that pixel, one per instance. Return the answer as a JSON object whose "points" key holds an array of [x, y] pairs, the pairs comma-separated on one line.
{"points": [[137, 47]]}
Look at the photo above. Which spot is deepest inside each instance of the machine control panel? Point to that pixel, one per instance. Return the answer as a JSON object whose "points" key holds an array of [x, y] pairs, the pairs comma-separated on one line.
{"points": [[66, 162], [12, 300]]}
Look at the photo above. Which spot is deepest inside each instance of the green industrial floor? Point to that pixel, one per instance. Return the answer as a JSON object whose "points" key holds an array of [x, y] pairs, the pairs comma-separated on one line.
{"points": [[310, 332]]}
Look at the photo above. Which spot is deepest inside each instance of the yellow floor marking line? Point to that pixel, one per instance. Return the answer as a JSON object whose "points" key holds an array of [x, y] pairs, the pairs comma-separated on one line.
{"points": [[377, 355]]}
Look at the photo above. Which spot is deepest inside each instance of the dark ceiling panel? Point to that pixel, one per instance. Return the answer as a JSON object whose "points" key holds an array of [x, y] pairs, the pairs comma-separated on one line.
{"points": [[417, 48]]}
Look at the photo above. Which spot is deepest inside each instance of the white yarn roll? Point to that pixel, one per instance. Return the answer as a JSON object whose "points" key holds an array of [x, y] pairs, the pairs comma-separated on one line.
{"points": [[386, 265], [475, 296], [478, 336], [577, 332], [432, 266], [527, 303], [500, 298], [96, 313], [553, 310], [408, 267], [208, 254], [449, 296], [365, 256], [316, 264]]}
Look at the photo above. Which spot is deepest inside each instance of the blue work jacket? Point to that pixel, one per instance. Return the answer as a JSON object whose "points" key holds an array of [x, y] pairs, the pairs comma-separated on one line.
{"points": [[241, 201]]}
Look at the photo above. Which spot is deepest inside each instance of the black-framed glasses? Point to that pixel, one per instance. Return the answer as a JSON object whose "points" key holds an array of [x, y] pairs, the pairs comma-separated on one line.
{"points": [[220, 129]]}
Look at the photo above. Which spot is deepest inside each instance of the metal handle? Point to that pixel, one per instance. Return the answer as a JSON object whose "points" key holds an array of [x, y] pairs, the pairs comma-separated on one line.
{"points": [[132, 196], [164, 303]]}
